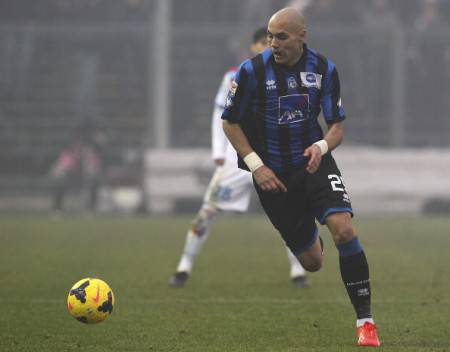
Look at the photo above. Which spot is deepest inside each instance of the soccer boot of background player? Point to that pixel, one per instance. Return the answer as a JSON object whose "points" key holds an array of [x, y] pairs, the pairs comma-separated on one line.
{"points": [[300, 281], [179, 279]]}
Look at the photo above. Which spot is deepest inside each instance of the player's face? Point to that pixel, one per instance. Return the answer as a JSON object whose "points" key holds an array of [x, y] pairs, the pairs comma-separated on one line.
{"points": [[286, 45], [259, 46]]}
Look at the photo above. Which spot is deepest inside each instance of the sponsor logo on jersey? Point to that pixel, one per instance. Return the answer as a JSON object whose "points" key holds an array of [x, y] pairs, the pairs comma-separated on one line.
{"points": [[293, 108], [270, 84], [290, 117], [311, 80]]}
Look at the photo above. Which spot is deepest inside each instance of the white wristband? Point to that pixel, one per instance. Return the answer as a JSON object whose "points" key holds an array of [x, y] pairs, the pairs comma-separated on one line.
{"points": [[253, 161], [323, 145]]}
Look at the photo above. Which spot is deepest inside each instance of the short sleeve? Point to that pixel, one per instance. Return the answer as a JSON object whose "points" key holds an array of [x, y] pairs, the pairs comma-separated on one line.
{"points": [[224, 88], [331, 96], [239, 98]]}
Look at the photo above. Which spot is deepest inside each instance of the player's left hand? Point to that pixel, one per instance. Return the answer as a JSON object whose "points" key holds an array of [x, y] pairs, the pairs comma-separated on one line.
{"points": [[314, 154]]}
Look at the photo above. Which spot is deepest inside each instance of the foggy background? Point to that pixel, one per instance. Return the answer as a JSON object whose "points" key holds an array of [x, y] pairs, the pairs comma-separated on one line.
{"points": [[135, 80]]}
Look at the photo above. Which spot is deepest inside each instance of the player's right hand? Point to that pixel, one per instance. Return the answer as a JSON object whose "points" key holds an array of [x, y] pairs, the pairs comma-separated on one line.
{"points": [[267, 180], [313, 153]]}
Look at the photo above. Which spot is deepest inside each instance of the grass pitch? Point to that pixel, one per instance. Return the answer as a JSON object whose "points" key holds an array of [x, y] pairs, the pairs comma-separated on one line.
{"points": [[239, 297]]}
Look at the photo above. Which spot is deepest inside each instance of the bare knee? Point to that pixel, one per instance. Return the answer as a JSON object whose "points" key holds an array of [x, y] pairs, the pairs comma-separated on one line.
{"points": [[312, 266], [343, 233], [312, 259], [341, 227]]}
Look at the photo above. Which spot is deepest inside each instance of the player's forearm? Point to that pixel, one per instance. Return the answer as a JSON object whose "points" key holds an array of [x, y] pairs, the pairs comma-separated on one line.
{"points": [[240, 142], [334, 135], [236, 136]]}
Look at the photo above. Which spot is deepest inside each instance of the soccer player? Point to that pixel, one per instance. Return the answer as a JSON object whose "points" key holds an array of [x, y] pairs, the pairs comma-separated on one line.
{"points": [[271, 118], [229, 189]]}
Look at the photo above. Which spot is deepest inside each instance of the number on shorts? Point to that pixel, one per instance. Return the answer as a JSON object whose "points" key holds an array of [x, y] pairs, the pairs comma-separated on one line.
{"points": [[337, 183], [223, 193]]}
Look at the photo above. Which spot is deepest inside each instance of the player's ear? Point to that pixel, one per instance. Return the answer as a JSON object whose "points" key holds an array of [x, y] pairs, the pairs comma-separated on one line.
{"points": [[302, 34]]}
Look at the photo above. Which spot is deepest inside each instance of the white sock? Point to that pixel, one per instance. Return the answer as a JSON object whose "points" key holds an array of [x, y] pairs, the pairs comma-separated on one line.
{"points": [[361, 322], [197, 236], [296, 267], [185, 264], [191, 249]]}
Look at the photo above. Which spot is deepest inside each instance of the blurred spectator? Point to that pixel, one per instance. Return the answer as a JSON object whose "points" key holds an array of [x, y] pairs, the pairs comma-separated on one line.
{"points": [[332, 12], [428, 16], [322, 11], [379, 14], [425, 51], [427, 20], [381, 23], [80, 164]]}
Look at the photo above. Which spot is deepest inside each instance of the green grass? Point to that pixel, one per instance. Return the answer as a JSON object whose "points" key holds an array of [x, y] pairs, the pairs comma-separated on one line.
{"points": [[239, 297]]}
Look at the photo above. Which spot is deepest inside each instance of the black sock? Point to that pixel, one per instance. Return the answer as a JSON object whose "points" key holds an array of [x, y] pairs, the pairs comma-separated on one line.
{"points": [[355, 275]]}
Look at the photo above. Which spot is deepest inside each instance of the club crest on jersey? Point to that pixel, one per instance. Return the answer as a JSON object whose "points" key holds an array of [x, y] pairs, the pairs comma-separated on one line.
{"points": [[292, 83], [311, 80], [293, 108], [271, 84]]}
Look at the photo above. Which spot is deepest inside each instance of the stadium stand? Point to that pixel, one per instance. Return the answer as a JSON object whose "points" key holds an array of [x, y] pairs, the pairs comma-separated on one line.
{"points": [[62, 62], [69, 78]]}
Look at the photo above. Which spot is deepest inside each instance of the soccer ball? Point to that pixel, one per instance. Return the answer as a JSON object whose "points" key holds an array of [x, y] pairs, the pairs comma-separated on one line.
{"points": [[90, 301]]}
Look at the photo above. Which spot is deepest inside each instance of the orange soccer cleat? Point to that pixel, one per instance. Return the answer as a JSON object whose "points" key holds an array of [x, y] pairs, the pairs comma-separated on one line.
{"points": [[367, 335]]}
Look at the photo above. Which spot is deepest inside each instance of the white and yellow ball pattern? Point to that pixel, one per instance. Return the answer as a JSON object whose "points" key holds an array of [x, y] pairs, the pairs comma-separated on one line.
{"points": [[90, 301]]}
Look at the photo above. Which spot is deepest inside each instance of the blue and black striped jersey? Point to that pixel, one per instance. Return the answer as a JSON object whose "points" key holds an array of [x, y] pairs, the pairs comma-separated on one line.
{"points": [[278, 107]]}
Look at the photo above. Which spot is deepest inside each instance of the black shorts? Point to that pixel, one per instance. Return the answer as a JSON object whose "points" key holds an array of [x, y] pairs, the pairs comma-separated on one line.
{"points": [[309, 197]]}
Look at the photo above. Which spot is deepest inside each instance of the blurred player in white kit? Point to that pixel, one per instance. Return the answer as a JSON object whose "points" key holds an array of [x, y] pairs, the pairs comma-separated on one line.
{"points": [[230, 187]]}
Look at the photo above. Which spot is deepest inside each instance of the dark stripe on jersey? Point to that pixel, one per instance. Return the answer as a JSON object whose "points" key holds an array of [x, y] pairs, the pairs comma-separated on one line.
{"points": [[260, 74], [234, 109], [322, 69], [284, 136], [336, 93], [305, 138], [239, 94]]}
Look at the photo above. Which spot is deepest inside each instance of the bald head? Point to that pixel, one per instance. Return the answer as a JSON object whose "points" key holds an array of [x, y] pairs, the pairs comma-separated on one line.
{"points": [[286, 33], [289, 18]]}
